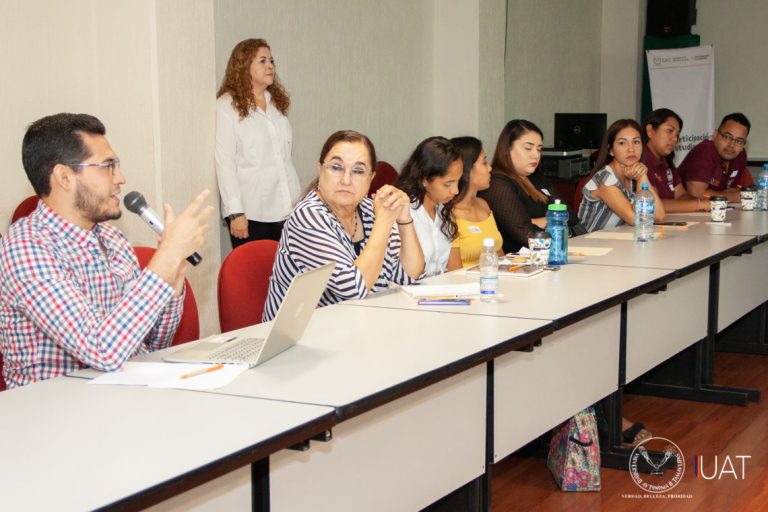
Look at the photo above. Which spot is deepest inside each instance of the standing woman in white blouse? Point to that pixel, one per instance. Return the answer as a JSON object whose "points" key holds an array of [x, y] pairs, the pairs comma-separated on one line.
{"points": [[257, 181]]}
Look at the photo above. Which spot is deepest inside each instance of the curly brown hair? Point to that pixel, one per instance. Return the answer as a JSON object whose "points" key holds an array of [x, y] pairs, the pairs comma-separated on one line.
{"points": [[237, 79]]}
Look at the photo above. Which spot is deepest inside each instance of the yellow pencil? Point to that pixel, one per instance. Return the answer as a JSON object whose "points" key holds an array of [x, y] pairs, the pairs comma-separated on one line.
{"points": [[203, 371]]}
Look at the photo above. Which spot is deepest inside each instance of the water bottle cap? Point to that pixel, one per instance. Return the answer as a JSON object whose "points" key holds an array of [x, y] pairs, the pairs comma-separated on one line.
{"points": [[557, 206], [489, 242], [644, 186]]}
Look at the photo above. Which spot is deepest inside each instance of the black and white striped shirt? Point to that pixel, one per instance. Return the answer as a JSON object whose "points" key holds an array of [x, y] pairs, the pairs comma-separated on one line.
{"points": [[593, 212], [313, 236]]}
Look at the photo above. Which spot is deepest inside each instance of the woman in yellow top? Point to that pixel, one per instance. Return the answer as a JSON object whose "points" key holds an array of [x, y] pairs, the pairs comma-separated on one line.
{"points": [[473, 216]]}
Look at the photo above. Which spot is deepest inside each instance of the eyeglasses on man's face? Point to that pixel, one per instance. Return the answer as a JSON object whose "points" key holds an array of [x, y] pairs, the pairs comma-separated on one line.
{"points": [[357, 172], [112, 165], [730, 138]]}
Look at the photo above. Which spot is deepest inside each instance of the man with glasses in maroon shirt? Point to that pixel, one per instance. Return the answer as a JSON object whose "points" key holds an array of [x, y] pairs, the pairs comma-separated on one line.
{"points": [[719, 165]]}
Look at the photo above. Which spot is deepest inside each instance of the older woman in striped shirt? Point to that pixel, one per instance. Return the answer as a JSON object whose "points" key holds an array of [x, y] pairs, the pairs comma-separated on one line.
{"points": [[372, 241]]}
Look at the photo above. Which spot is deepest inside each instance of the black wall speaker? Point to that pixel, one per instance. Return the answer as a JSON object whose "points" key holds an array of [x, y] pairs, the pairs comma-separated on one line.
{"points": [[670, 17]]}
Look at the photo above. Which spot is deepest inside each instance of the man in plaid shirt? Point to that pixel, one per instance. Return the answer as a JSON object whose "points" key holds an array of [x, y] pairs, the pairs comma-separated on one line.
{"points": [[71, 292]]}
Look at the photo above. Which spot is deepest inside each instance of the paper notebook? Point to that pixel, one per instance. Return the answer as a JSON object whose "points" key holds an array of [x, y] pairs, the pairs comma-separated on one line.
{"points": [[511, 270]]}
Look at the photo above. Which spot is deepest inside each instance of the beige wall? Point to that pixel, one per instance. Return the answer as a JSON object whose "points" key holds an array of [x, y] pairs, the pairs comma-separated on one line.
{"points": [[184, 115], [491, 72], [736, 31], [456, 61], [621, 58], [468, 60], [553, 60]]}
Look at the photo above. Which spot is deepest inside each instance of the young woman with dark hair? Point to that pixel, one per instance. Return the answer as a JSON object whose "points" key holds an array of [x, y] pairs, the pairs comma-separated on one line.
{"points": [[431, 177], [518, 195], [473, 217], [662, 128], [609, 193]]}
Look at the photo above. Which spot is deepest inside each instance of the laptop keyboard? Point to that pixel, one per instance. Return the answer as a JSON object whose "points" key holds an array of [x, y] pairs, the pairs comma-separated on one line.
{"points": [[241, 351]]}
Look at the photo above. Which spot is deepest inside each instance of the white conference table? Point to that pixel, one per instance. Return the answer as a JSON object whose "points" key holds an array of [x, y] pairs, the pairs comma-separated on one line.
{"points": [[684, 251], [565, 296], [410, 392], [737, 222], [583, 302], [408, 388], [70, 445], [720, 278], [737, 248]]}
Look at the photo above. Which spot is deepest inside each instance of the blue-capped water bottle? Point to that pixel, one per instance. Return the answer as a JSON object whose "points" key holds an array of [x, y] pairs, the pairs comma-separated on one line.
{"points": [[761, 202], [644, 208], [557, 227]]}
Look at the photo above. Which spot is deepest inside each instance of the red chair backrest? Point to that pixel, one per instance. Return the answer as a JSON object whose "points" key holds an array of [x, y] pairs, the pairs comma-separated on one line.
{"points": [[385, 175], [26, 207], [577, 194], [244, 283], [189, 326]]}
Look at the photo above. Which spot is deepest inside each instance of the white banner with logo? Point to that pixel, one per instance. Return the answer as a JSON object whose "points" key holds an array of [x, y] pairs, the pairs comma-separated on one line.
{"points": [[683, 79]]}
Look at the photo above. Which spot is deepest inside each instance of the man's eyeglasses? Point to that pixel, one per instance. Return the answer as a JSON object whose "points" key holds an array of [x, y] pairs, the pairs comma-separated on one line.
{"points": [[337, 171], [112, 165], [730, 138]]}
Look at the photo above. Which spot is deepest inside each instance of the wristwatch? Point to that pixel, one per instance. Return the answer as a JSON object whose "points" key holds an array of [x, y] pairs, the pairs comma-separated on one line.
{"points": [[234, 216]]}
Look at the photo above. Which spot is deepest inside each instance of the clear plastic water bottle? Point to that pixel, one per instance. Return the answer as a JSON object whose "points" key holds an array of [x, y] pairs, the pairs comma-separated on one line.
{"points": [[489, 272], [761, 202], [557, 227], [644, 207]]}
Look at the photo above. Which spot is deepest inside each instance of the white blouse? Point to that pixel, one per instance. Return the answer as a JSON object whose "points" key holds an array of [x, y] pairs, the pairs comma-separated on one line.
{"points": [[434, 244], [253, 162]]}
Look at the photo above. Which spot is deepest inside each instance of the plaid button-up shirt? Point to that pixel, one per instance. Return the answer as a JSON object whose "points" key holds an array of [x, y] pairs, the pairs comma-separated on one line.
{"points": [[71, 298]]}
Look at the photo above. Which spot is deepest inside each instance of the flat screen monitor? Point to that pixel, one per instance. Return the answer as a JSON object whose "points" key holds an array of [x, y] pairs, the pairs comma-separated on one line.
{"points": [[580, 131]]}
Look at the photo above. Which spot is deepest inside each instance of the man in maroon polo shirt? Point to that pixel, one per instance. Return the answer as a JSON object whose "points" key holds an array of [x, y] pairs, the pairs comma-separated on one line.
{"points": [[719, 166]]}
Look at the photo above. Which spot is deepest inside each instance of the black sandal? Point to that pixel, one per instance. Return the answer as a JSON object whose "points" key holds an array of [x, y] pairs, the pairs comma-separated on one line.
{"points": [[629, 436]]}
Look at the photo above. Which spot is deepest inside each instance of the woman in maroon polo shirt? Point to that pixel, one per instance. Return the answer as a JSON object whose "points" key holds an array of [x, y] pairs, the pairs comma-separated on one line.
{"points": [[662, 128]]}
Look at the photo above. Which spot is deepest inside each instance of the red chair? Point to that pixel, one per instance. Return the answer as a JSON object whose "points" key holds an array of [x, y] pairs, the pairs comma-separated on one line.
{"points": [[189, 326], [577, 193], [385, 175], [244, 283], [26, 207]]}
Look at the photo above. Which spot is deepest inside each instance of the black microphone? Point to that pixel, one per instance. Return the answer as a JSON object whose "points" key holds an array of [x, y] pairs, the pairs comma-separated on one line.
{"points": [[136, 203]]}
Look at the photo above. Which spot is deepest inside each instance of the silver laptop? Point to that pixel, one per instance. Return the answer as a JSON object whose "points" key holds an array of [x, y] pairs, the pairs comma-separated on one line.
{"points": [[286, 330]]}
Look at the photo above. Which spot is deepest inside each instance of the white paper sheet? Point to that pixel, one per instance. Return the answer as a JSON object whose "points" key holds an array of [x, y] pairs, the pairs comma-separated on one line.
{"points": [[577, 251], [682, 228], [168, 375], [610, 235], [443, 290], [695, 214]]}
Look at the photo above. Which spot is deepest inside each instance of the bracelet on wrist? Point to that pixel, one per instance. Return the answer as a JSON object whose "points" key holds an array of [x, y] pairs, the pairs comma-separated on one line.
{"points": [[404, 223]]}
